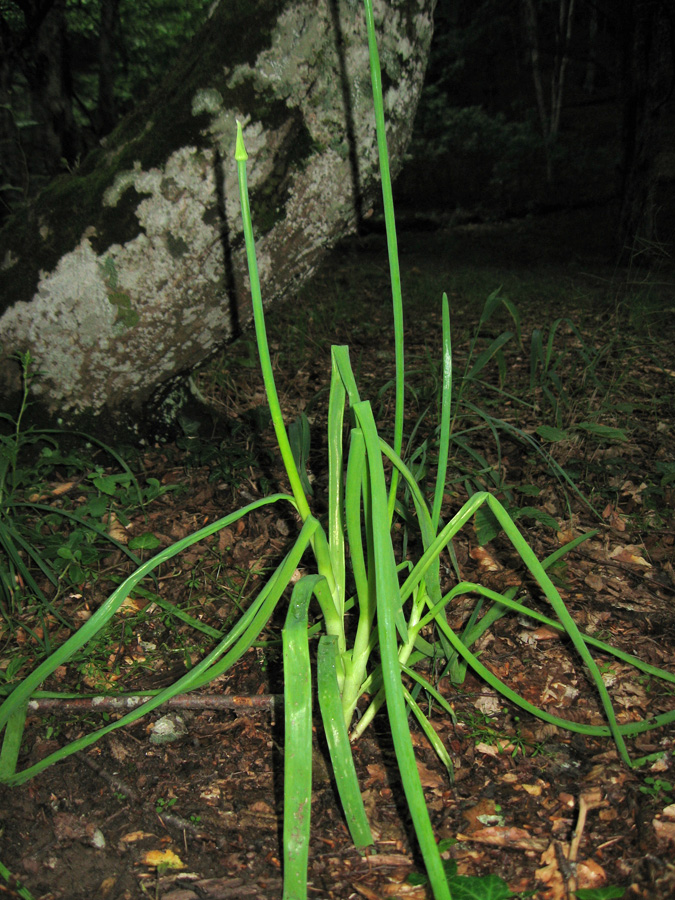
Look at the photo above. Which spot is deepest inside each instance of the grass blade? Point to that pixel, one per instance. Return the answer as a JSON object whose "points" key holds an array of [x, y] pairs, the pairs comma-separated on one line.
{"points": [[432, 737], [336, 539], [486, 355], [545, 583], [299, 438], [15, 884]]}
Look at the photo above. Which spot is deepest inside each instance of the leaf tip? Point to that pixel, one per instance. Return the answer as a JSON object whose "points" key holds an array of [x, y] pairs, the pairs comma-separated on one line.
{"points": [[240, 153]]}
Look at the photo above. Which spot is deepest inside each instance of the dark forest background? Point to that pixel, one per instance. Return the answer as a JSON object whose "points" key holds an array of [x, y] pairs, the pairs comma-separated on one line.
{"points": [[529, 105]]}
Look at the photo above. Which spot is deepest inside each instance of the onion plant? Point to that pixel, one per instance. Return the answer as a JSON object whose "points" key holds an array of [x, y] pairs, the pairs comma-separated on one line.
{"points": [[397, 605]]}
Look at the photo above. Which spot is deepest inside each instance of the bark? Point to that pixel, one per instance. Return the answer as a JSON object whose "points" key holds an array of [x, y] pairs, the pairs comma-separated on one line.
{"points": [[549, 117], [22, 61], [648, 70], [592, 59], [131, 271], [51, 90], [106, 114]]}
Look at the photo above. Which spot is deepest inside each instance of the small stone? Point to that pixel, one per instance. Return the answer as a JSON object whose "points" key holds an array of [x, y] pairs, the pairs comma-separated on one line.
{"points": [[168, 729]]}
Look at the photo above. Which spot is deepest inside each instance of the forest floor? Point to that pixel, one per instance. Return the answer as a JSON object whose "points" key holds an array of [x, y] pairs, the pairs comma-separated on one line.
{"points": [[101, 823]]}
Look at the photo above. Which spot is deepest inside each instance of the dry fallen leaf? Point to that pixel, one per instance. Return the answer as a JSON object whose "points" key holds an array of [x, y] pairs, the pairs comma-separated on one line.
{"points": [[485, 559], [665, 831], [428, 778], [106, 886], [629, 553], [628, 489], [489, 704], [498, 748], [409, 891], [550, 875], [565, 535], [534, 790], [590, 875], [116, 530], [615, 519], [377, 772], [367, 892], [505, 836], [164, 858], [473, 814], [595, 582], [545, 633], [117, 749], [55, 490], [133, 605], [133, 836]]}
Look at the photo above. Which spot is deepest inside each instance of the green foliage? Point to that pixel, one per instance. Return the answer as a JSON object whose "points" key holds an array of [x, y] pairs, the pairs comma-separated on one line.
{"points": [[163, 805], [656, 787], [144, 39], [505, 152], [475, 393], [149, 34], [611, 892], [470, 887], [230, 458]]}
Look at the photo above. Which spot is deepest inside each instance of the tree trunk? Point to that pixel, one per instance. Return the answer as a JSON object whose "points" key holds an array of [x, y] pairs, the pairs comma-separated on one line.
{"points": [[592, 57], [106, 115], [131, 271], [549, 118], [51, 90], [647, 75]]}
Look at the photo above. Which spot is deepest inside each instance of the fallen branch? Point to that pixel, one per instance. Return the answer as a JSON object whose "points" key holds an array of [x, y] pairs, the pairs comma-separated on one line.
{"points": [[181, 701]]}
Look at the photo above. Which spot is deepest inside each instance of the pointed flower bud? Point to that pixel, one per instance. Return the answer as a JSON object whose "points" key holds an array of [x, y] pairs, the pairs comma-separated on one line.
{"points": [[240, 153]]}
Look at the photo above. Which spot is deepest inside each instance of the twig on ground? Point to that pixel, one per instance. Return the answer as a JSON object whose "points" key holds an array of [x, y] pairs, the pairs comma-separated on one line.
{"points": [[182, 701]]}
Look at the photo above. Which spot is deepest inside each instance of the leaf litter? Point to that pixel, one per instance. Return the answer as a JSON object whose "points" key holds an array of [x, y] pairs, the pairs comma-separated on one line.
{"points": [[532, 809]]}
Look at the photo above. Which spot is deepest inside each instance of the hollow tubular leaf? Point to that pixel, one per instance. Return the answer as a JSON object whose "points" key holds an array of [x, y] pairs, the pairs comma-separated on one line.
{"points": [[392, 242], [388, 604], [321, 548], [446, 397], [110, 606], [298, 740], [234, 645], [261, 333], [338, 743]]}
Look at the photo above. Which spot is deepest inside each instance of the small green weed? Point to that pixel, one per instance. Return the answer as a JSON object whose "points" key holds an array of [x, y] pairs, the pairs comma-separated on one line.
{"points": [[470, 887], [485, 729], [57, 512], [610, 892], [656, 787], [163, 805], [229, 459]]}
